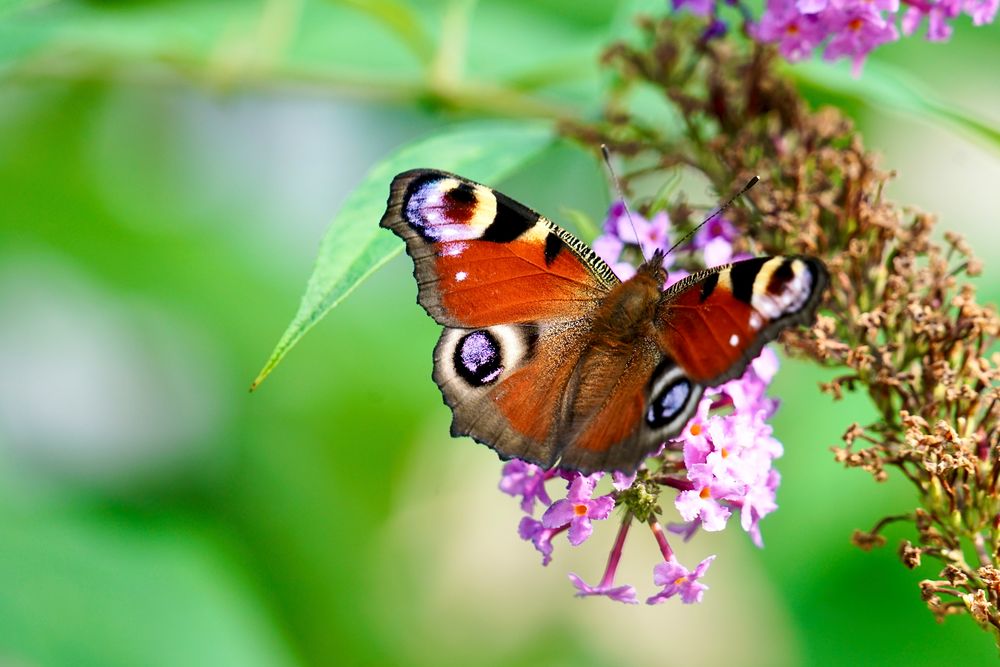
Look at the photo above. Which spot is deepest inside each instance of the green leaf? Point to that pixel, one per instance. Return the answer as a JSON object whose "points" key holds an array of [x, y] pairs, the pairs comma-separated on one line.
{"points": [[100, 588], [354, 246], [400, 18], [884, 87]]}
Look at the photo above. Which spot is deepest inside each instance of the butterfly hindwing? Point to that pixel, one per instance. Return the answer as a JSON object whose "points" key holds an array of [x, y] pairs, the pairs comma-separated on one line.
{"points": [[505, 385], [715, 322], [482, 259], [552, 397], [628, 402]]}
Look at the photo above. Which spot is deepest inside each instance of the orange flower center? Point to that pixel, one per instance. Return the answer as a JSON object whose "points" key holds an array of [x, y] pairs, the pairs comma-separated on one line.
{"points": [[855, 24], [679, 580], [580, 510], [792, 29], [695, 429], [706, 493], [724, 452]]}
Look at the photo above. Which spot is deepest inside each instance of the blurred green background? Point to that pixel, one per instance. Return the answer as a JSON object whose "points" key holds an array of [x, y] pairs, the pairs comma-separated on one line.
{"points": [[167, 169]]}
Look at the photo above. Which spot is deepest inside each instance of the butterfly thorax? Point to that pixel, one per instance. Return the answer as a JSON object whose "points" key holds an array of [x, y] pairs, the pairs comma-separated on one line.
{"points": [[626, 313]]}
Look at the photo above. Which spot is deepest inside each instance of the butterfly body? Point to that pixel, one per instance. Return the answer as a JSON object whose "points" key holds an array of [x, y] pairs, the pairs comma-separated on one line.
{"points": [[546, 356]]}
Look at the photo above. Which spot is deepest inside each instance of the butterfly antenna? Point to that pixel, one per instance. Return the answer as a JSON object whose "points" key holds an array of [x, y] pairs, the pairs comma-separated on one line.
{"points": [[621, 196], [716, 213]]}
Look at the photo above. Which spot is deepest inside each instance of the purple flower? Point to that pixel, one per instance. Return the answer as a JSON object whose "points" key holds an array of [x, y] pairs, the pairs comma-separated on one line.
{"points": [[675, 276], [527, 480], [539, 535], [678, 580], [717, 252], [607, 586], [700, 504], [981, 11], [715, 29], [649, 235], [736, 473], [765, 366], [811, 6], [758, 502], [850, 28], [796, 34], [729, 456], [718, 227], [938, 15], [696, 7], [578, 509], [857, 31], [609, 248], [621, 481], [624, 594], [686, 530]]}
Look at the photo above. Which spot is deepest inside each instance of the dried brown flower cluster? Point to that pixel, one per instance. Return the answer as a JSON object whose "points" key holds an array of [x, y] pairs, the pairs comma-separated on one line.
{"points": [[899, 317]]}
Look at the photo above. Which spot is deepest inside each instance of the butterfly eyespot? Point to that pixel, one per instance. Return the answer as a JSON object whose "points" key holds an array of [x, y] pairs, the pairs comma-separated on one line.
{"points": [[669, 403], [782, 287], [444, 209], [477, 358]]}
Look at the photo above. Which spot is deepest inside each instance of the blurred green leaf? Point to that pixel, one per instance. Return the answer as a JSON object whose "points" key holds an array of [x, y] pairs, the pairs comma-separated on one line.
{"points": [[113, 588], [884, 87], [14, 5], [354, 246], [400, 18]]}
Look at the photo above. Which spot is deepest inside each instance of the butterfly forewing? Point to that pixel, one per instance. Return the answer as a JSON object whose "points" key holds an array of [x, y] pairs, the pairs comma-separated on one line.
{"points": [[716, 321], [482, 259]]}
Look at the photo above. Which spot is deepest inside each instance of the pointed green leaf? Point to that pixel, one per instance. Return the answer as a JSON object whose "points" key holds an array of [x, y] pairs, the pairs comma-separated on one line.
{"points": [[355, 246]]}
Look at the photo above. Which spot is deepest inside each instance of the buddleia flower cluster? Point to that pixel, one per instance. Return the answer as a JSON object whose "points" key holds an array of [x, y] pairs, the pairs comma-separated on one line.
{"points": [[900, 322], [720, 465], [841, 28]]}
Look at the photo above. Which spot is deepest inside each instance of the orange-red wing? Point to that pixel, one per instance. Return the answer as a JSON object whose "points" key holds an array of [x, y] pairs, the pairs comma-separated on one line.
{"points": [[506, 385], [715, 322], [482, 259]]}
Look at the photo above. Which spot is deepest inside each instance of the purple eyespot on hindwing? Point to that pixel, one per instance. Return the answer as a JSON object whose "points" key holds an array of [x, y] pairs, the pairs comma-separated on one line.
{"points": [[477, 358], [669, 403]]}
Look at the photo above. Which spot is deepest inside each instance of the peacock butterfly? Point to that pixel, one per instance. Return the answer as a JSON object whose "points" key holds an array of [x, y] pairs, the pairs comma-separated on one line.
{"points": [[547, 357]]}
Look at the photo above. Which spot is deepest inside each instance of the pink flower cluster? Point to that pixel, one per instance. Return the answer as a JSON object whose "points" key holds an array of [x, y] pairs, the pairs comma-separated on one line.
{"points": [[848, 28], [729, 456], [574, 514], [724, 455]]}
